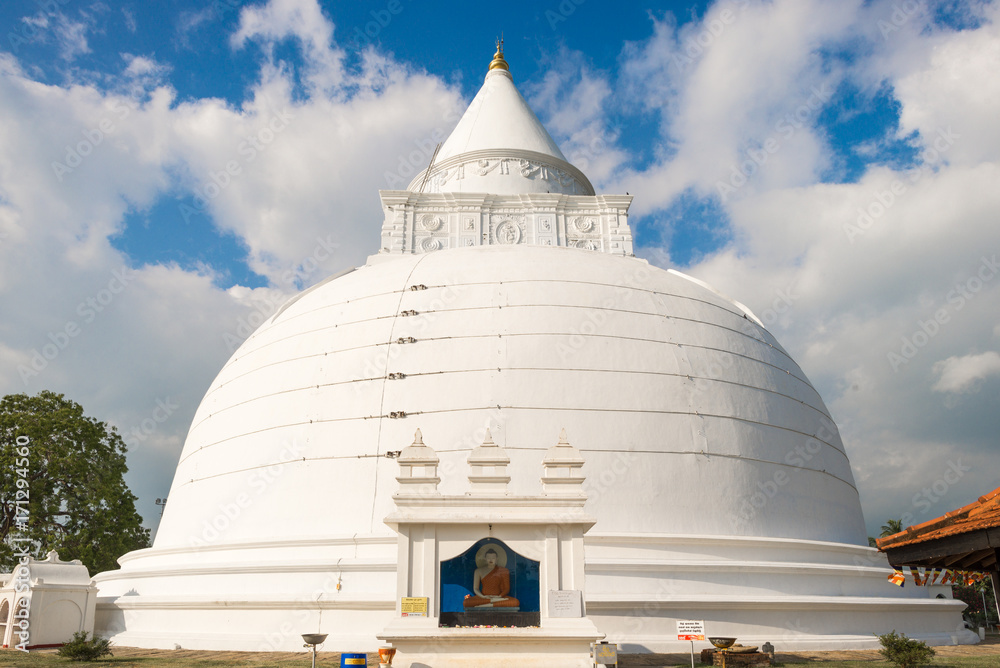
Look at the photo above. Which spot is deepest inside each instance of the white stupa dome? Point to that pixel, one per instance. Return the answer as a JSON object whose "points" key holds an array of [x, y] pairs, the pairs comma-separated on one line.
{"points": [[632, 360], [718, 480]]}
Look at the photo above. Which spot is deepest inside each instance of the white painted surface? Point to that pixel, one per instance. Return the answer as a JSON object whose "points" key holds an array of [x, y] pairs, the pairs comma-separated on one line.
{"points": [[719, 485], [499, 118], [62, 601], [703, 407], [500, 147], [433, 528], [418, 223], [714, 474]]}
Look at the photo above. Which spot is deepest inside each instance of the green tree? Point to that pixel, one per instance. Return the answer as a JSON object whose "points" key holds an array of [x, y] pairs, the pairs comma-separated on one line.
{"points": [[890, 527], [974, 595], [71, 467]]}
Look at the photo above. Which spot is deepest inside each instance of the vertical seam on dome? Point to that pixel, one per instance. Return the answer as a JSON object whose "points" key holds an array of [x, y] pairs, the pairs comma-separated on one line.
{"points": [[381, 401]]}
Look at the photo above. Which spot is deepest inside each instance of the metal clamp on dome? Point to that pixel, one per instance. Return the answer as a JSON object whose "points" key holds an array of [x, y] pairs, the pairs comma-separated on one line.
{"points": [[408, 313], [396, 376], [406, 339], [397, 414], [418, 287]]}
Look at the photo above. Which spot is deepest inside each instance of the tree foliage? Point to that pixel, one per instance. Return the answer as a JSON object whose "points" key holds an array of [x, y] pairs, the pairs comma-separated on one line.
{"points": [[891, 527], [81, 649], [973, 596], [74, 466], [903, 651]]}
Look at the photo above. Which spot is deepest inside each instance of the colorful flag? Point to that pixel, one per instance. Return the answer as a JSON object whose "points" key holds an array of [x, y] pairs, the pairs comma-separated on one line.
{"points": [[897, 578], [919, 576]]}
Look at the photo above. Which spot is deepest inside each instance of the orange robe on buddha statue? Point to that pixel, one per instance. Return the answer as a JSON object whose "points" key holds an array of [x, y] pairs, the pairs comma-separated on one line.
{"points": [[494, 583]]}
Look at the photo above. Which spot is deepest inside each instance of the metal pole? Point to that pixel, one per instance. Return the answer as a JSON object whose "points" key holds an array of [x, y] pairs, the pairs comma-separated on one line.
{"points": [[995, 577], [314, 656], [692, 654]]}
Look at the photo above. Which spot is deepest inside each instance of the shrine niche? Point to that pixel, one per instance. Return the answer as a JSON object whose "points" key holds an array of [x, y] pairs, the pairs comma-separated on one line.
{"points": [[499, 575], [489, 585]]}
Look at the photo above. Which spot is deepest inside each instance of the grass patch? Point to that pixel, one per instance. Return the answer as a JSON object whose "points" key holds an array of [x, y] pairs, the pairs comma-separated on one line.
{"points": [[15, 659]]}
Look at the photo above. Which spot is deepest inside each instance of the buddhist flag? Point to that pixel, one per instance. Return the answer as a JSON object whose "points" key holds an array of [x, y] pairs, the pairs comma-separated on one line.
{"points": [[897, 578], [973, 578], [919, 576]]}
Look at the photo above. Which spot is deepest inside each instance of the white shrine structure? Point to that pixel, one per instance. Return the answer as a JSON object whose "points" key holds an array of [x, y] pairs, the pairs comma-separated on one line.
{"points": [[706, 479], [43, 602], [546, 529]]}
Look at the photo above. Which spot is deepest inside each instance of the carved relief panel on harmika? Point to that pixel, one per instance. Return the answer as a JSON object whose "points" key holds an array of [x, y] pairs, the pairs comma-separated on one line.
{"points": [[507, 229], [436, 226], [426, 222], [584, 231]]}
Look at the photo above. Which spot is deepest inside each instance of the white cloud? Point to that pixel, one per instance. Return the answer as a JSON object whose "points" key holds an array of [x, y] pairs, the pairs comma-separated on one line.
{"points": [[141, 66], [72, 37], [744, 78], [78, 160], [575, 103], [37, 21], [965, 374], [189, 21], [948, 79], [840, 299], [141, 74], [304, 21], [899, 263], [129, 18]]}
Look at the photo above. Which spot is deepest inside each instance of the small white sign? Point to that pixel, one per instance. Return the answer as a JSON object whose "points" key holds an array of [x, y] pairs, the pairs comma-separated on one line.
{"points": [[565, 603], [690, 629]]}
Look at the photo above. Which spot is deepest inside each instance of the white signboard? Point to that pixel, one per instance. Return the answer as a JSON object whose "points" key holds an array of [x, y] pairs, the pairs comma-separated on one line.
{"points": [[690, 629], [565, 603]]}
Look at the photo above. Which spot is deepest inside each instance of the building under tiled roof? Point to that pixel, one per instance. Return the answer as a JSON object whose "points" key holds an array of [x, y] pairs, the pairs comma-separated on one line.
{"points": [[967, 538]]}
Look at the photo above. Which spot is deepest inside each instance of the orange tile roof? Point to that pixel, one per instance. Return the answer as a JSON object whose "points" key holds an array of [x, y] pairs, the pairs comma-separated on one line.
{"points": [[983, 513]]}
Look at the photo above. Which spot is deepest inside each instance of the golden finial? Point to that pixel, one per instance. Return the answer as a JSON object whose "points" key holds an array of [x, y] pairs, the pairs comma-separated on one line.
{"points": [[498, 62]]}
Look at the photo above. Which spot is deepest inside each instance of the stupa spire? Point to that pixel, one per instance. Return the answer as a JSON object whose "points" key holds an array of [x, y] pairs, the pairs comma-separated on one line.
{"points": [[498, 62], [500, 179]]}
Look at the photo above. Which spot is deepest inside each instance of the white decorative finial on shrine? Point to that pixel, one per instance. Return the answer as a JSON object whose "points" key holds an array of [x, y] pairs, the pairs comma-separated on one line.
{"points": [[418, 468], [488, 468], [563, 469]]}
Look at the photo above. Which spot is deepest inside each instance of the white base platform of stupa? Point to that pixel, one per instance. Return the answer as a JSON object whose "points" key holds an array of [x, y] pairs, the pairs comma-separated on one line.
{"points": [[798, 595], [563, 646]]}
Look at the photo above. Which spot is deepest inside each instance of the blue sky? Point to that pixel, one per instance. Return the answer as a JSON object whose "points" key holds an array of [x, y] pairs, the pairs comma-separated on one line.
{"points": [[831, 164]]}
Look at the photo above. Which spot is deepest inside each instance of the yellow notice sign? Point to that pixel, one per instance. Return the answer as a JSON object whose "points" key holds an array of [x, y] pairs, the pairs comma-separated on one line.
{"points": [[605, 654], [413, 606]]}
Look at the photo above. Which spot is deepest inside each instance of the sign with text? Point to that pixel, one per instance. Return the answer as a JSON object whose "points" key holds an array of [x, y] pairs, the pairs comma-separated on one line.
{"points": [[565, 603], [605, 654], [413, 606], [689, 629]]}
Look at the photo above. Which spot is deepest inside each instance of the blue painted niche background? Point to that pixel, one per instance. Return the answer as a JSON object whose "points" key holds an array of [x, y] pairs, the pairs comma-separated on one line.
{"points": [[457, 574]]}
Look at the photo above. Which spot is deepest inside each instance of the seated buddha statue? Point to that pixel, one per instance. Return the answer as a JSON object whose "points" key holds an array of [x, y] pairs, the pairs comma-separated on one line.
{"points": [[491, 584]]}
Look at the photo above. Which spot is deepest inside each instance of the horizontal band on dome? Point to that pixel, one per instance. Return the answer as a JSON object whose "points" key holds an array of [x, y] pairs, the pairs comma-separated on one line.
{"points": [[303, 460]]}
